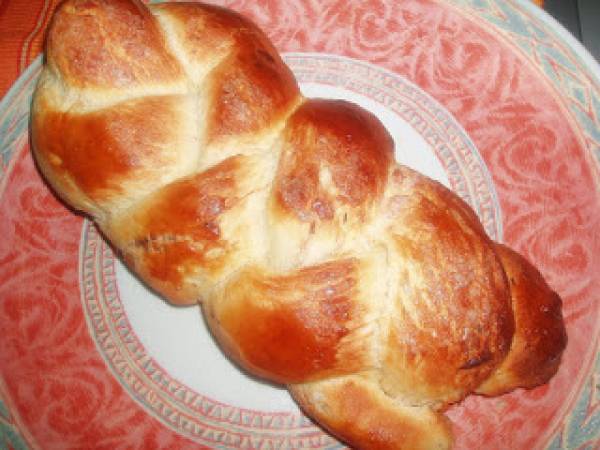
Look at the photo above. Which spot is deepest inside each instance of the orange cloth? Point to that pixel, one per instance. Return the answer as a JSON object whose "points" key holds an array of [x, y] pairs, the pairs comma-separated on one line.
{"points": [[22, 25]]}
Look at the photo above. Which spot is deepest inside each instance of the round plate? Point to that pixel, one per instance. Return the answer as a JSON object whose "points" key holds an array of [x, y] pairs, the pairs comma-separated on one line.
{"points": [[491, 97]]}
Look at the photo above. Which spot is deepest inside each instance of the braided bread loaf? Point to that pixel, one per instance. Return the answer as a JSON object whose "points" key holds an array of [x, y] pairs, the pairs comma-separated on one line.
{"points": [[371, 291]]}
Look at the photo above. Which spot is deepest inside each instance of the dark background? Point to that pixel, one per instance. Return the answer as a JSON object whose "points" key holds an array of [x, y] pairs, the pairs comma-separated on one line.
{"points": [[581, 18]]}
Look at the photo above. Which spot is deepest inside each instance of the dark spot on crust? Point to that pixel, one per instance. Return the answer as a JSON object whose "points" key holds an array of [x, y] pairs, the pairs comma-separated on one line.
{"points": [[477, 361]]}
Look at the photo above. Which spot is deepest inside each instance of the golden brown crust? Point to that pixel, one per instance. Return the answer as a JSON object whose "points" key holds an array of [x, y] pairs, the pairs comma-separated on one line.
{"points": [[371, 290], [354, 409], [101, 43], [453, 322], [540, 336], [204, 32], [334, 153], [93, 150], [251, 87], [251, 90], [176, 233], [298, 320]]}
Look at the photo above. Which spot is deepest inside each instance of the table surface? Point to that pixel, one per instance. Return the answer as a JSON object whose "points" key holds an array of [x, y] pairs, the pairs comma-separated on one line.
{"points": [[581, 18]]}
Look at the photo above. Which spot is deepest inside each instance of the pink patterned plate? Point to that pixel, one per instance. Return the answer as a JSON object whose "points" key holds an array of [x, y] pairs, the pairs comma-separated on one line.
{"points": [[491, 97]]}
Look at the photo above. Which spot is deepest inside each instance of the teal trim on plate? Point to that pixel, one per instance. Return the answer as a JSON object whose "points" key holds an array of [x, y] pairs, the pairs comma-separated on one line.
{"points": [[14, 113], [10, 437]]}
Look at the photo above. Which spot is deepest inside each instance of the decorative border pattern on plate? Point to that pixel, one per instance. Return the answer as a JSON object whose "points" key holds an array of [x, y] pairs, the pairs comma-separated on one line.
{"points": [[10, 435], [14, 117]]}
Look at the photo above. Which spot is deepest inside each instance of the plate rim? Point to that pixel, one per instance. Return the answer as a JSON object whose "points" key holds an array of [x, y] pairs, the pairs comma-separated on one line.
{"points": [[578, 50]]}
